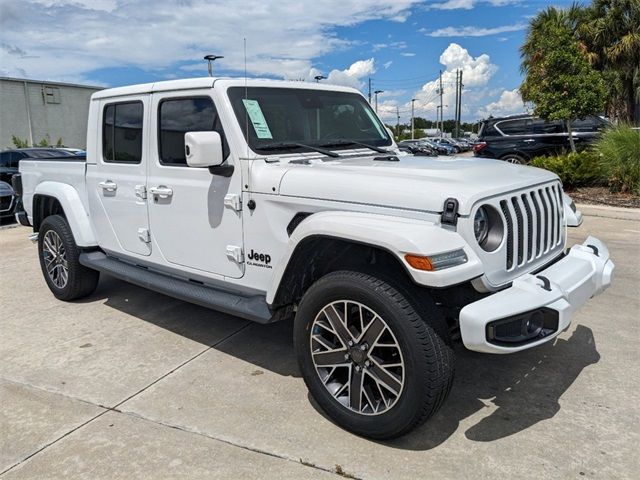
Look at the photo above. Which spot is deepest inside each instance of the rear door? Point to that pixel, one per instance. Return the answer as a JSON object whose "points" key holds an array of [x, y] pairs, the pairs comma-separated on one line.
{"points": [[116, 182]]}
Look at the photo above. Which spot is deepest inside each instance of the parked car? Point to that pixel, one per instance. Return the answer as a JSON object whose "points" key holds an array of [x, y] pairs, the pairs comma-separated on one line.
{"points": [[229, 193], [7, 200], [466, 143], [9, 159], [519, 138], [452, 143], [416, 147], [440, 149]]}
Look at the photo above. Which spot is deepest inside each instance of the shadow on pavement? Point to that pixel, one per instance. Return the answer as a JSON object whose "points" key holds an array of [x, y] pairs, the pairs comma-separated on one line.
{"points": [[525, 387]]}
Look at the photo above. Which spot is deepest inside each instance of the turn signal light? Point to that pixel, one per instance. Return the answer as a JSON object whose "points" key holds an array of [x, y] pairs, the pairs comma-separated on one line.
{"points": [[438, 261], [418, 262]]}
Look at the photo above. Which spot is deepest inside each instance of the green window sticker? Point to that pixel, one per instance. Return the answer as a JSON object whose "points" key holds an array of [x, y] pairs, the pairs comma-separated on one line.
{"points": [[257, 118]]}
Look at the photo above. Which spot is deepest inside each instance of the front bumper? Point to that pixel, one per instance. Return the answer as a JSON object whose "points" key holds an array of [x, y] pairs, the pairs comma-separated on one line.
{"points": [[559, 290]]}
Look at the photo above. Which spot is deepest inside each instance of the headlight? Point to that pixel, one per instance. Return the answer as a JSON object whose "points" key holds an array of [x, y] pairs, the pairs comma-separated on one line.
{"points": [[481, 225], [488, 228]]}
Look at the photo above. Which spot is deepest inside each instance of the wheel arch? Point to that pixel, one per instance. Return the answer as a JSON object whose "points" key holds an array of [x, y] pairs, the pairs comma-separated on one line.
{"points": [[52, 198], [328, 241]]}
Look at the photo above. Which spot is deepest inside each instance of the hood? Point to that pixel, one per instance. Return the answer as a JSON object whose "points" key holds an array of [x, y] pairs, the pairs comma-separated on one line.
{"points": [[412, 183]]}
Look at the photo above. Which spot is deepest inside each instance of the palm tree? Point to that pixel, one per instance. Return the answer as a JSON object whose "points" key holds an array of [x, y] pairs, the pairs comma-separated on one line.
{"points": [[610, 31]]}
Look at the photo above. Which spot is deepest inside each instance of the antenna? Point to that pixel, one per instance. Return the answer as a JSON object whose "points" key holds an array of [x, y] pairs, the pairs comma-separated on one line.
{"points": [[246, 95], [210, 59]]}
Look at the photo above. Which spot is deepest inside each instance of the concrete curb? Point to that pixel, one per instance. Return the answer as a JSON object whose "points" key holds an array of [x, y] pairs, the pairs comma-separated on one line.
{"points": [[605, 211]]}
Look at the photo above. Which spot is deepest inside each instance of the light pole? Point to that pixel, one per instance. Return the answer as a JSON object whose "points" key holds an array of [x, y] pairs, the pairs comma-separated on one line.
{"points": [[210, 59], [376, 94], [412, 117], [319, 77]]}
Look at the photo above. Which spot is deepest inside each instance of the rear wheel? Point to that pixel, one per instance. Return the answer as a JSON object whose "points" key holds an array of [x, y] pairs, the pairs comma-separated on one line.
{"points": [[515, 158], [369, 360], [66, 277]]}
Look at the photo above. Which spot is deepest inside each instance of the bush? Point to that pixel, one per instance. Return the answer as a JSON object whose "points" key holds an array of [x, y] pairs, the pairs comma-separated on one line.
{"points": [[619, 154], [581, 169]]}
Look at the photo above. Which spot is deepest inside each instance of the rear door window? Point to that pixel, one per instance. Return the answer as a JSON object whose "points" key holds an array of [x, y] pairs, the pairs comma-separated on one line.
{"points": [[542, 127], [514, 127], [122, 132]]}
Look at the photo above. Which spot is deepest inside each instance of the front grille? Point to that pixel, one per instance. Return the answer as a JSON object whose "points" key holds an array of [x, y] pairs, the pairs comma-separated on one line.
{"points": [[534, 221]]}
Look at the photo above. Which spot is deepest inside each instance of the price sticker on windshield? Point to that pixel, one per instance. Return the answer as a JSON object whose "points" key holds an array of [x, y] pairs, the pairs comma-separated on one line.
{"points": [[257, 118]]}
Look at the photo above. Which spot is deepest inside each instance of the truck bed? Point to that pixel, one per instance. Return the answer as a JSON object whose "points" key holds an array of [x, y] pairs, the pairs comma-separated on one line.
{"points": [[68, 170]]}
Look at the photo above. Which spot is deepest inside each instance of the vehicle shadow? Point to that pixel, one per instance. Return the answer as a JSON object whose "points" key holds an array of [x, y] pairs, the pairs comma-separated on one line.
{"points": [[525, 387]]}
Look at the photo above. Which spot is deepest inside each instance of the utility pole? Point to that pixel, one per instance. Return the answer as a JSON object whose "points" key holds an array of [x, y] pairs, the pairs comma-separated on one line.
{"points": [[376, 94], [398, 122], [459, 104], [455, 115], [412, 118], [441, 93], [369, 90]]}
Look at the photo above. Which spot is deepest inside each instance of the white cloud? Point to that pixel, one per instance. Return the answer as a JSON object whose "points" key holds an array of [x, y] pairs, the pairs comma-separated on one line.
{"points": [[476, 74], [408, 54], [509, 103], [467, 4], [387, 64], [471, 31], [454, 5], [70, 38], [351, 77]]}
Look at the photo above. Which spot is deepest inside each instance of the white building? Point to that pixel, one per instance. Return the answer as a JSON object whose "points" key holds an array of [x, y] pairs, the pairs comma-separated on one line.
{"points": [[35, 110]]}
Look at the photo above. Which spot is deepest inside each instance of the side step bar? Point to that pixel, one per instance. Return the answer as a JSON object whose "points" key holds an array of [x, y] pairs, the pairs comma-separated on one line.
{"points": [[253, 308]]}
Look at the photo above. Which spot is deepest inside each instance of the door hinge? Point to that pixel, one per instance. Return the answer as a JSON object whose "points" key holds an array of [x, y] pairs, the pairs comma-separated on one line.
{"points": [[141, 192], [233, 200], [144, 235], [235, 253]]}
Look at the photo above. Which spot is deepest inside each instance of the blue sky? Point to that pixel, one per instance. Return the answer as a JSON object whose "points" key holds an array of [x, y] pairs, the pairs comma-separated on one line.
{"points": [[400, 44]]}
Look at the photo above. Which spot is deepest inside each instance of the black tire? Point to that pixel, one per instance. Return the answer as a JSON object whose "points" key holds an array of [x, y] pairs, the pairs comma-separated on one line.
{"points": [[428, 361], [515, 159], [81, 281]]}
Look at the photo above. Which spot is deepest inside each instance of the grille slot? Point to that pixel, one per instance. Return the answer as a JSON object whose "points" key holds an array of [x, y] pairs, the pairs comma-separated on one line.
{"points": [[534, 224]]}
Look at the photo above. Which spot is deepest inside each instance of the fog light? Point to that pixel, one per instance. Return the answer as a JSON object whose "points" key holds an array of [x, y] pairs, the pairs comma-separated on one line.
{"points": [[524, 328]]}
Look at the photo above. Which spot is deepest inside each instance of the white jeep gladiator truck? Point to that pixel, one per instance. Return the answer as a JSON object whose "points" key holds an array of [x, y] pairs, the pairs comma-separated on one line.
{"points": [[271, 200]]}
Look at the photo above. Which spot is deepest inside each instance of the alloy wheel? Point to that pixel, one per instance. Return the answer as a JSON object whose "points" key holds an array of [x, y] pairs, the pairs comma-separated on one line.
{"points": [[55, 259], [357, 357]]}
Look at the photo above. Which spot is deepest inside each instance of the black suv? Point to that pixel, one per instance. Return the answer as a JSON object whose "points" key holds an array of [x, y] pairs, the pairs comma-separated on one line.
{"points": [[519, 138]]}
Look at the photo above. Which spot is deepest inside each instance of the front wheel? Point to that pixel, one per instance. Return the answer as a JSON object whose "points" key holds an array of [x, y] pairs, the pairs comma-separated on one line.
{"points": [[369, 360]]}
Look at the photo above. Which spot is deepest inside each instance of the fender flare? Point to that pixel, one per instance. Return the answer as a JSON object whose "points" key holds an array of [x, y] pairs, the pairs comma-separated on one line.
{"points": [[74, 210], [396, 235]]}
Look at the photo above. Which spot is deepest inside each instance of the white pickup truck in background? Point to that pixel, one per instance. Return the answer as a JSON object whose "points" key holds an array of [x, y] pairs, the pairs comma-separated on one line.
{"points": [[271, 200]]}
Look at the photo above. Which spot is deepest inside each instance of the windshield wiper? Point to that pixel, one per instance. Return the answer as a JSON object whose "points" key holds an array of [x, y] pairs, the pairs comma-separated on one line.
{"points": [[340, 143], [290, 145]]}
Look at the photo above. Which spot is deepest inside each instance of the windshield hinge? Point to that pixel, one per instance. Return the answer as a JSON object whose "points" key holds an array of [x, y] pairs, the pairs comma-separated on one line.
{"points": [[234, 201]]}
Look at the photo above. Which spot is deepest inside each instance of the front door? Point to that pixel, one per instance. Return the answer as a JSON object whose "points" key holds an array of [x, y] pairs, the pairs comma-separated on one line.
{"points": [[190, 223], [116, 182]]}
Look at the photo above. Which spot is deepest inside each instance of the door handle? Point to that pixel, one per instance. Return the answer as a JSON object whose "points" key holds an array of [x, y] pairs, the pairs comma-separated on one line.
{"points": [[108, 186], [161, 191], [529, 140]]}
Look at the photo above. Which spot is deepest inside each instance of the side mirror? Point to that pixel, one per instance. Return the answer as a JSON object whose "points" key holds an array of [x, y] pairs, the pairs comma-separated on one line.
{"points": [[203, 149]]}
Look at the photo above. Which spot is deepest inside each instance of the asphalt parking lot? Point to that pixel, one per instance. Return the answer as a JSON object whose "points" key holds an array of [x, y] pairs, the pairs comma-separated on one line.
{"points": [[132, 384]]}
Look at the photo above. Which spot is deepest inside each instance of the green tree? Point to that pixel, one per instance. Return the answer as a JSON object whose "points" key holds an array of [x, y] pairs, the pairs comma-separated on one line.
{"points": [[559, 81], [18, 142]]}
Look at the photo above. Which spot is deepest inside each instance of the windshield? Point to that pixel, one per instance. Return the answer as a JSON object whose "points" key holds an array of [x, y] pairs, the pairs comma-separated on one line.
{"points": [[276, 120]]}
